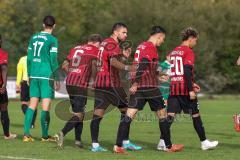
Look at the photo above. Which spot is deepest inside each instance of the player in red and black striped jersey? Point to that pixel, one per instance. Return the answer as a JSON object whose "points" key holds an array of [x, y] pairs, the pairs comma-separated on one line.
{"points": [[79, 66], [108, 88], [144, 86], [183, 89], [3, 93]]}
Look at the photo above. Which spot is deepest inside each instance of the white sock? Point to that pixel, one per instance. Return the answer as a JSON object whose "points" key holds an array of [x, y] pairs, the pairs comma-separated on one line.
{"points": [[95, 145], [126, 141]]}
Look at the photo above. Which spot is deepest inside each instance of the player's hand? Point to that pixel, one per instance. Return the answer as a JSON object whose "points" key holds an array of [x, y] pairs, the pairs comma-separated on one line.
{"points": [[192, 95], [28, 81], [3, 88], [17, 89], [65, 66], [163, 78], [238, 61], [132, 68], [133, 89], [196, 88], [57, 85], [127, 52]]}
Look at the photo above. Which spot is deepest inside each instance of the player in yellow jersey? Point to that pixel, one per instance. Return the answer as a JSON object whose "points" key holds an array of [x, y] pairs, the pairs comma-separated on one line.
{"points": [[22, 86]]}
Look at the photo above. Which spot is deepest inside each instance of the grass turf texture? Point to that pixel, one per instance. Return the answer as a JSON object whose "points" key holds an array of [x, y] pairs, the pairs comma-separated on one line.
{"points": [[216, 115]]}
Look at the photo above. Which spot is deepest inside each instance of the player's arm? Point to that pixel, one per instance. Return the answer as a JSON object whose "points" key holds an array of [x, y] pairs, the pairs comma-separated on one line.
{"points": [[54, 60], [65, 65], [142, 66], [238, 61], [4, 70], [94, 68], [29, 58], [119, 65], [19, 75], [188, 77]]}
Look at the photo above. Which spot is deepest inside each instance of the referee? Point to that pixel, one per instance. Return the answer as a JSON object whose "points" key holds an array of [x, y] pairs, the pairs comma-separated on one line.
{"points": [[22, 86]]}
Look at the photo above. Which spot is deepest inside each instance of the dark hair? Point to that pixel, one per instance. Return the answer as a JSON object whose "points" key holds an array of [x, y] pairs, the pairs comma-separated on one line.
{"points": [[157, 29], [95, 38], [118, 25], [189, 32], [49, 21]]}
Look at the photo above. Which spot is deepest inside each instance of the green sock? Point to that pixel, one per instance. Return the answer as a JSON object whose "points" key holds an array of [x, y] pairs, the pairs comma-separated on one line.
{"points": [[45, 120], [28, 121]]}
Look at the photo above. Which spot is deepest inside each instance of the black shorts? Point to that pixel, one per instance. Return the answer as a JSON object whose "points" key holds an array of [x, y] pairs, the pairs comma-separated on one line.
{"points": [[3, 98], [177, 104], [152, 95], [78, 98], [106, 96], [24, 96]]}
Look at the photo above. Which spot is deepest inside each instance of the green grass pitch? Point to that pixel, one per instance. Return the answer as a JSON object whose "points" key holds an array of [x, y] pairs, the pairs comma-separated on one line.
{"points": [[216, 115]]}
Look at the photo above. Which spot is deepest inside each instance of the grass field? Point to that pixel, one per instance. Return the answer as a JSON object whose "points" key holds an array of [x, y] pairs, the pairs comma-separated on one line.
{"points": [[216, 114]]}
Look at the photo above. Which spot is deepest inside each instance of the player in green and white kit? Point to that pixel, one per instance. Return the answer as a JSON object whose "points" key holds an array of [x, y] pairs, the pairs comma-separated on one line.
{"points": [[42, 65], [165, 84], [165, 69]]}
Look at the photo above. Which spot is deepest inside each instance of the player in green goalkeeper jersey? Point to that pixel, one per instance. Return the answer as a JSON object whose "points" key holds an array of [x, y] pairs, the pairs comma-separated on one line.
{"points": [[42, 65]]}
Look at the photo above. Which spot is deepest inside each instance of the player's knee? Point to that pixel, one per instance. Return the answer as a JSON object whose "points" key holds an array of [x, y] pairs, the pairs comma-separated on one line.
{"points": [[80, 115], [96, 118], [4, 107], [162, 113], [196, 114]]}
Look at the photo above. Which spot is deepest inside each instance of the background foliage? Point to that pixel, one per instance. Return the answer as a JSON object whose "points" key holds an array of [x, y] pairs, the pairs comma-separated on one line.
{"points": [[216, 20]]}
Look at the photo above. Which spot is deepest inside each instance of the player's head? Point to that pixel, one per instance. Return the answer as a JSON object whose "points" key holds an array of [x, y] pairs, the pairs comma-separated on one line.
{"points": [[49, 22], [190, 35], [119, 30], [158, 35], [126, 50], [168, 58], [0, 40], [95, 39]]}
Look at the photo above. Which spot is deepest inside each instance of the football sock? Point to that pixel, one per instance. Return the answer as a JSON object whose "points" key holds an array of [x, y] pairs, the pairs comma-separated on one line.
{"points": [[28, 121], [5, 122], [45, 120], [34, 117], [164, 126], [198, 125], [123, 130], [71, 123], [94, 127], [128, 130], [78, 131], [24, 108]]}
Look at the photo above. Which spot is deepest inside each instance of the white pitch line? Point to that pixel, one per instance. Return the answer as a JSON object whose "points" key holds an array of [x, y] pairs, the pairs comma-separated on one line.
{"points": [[18, 158]]}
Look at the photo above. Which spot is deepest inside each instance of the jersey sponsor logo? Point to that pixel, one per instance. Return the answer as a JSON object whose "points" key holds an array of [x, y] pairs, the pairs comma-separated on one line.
{"points": [[54, 49], [176, 79], [177, 53], [36, 60]]}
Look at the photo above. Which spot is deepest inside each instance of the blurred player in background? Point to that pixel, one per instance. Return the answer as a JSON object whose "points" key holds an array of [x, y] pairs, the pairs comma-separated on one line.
{"points": [[22, 86], [3, 93], [79, 67], [183, 89], [42, 65], [164, 86], [236, 117]]}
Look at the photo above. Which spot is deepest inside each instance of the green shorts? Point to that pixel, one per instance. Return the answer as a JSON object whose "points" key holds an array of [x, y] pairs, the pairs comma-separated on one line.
{"points": [[41, 88]]}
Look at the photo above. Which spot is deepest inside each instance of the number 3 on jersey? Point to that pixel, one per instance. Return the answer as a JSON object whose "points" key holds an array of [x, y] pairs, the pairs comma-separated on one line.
{"points": [[177, 66], [77, 58]]}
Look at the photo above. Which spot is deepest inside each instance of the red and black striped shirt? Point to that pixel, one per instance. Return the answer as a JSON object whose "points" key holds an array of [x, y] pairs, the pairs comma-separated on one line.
{"points": [[80, 66], [107, 75], [3, 60], [146, 50], [180, 56]]}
